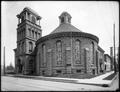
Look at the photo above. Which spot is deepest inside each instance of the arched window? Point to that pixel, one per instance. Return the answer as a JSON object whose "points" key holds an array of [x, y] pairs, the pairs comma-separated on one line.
{"points": [[77, 51], [28, 16], [30, 46], [33, 33], [22, 19], [29, 32], [44, 54], [59, 52], [33, 19], [92, 53], [62, 19], [23, 47], [69, 20], [19, 47], [36, 35]]}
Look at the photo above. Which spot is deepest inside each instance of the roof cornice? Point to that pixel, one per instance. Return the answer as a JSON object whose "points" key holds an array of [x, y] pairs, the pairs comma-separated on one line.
{"points": [[67, 34]]}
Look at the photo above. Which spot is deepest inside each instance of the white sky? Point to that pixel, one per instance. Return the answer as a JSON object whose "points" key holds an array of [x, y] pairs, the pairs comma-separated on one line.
{"points": [[95, 17]]}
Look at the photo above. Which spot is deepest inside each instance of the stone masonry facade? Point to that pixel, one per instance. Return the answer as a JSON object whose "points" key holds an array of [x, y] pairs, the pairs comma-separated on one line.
{"points": [[66, 50]]}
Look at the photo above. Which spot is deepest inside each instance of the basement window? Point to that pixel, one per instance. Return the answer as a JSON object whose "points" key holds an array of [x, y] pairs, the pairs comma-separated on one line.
{"points": [[58, 71], [78, 71]]}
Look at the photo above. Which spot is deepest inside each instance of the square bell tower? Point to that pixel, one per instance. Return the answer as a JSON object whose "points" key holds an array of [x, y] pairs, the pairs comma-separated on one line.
{"points": [[28, 32]]}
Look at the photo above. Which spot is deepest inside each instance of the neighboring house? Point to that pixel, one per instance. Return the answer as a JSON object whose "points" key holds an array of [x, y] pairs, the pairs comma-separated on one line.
{"points": [[10, 69], [108, 62], [100, 60], [66, 50]]}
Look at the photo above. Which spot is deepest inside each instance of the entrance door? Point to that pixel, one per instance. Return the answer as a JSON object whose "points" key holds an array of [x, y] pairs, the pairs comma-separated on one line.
{"points": [[19, 66], [31, 67]]}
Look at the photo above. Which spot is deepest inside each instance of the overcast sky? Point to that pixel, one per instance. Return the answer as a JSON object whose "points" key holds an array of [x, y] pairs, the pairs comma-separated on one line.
{"points": [[95, 17]]}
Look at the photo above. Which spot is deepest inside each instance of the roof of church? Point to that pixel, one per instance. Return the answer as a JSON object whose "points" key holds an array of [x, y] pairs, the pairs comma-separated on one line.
{"points": [[65, 27]]}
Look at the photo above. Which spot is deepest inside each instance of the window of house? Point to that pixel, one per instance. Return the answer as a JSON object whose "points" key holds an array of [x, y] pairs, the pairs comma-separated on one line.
{"points": [[69, 20], [43, 72], [78, 71], [36, 35], [23, 46], [58, 71], [29, 32], [68, 64], [77, 51], [30, 46], [22, 19], [44, 54], [28, 16], [58, 51], [19, 46], [92, 53], [33, 19], [62, 19], [33, 33]]}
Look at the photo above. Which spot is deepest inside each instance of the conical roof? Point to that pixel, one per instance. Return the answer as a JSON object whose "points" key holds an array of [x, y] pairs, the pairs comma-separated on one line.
{"points": [[65, 27], [65, 24]]}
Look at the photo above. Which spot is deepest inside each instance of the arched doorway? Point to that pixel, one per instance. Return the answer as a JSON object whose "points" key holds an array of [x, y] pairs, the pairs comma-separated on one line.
{"points": [[31, 67], [19, 66]]}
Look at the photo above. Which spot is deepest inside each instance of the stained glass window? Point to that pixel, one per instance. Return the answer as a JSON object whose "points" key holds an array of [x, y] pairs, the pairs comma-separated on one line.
{"points": [[43, 54], [77, 51], [59, 52], [92, 53]]}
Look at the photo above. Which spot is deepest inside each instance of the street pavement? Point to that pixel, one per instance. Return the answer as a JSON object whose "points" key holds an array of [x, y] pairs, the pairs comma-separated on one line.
{"points": [[23, 84]]}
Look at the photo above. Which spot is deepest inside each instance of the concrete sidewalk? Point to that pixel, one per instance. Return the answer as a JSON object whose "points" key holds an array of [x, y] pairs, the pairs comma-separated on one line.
{"points": [[93, 81]]}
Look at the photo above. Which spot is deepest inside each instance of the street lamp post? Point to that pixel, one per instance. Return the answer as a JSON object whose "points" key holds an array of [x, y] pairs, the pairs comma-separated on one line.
{"points": [[114, 47], [4, 60]]}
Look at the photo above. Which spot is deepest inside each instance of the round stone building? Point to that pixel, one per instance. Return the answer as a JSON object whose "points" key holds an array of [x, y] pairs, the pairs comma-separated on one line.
{"points": [[66, 50]]}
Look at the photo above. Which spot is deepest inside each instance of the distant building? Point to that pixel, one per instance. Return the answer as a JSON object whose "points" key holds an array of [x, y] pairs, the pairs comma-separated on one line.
{"points": [[108, 62], [100, 60], [10, 69], [66, 50]]}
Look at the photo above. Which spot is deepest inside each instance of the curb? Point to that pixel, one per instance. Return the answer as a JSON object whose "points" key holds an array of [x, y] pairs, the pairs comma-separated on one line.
{"points": [[67, 81], [108, 85], [113, 79]]}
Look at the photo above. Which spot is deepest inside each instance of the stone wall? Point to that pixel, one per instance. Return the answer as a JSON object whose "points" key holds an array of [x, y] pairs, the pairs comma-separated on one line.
{"points": [[68, 44]]}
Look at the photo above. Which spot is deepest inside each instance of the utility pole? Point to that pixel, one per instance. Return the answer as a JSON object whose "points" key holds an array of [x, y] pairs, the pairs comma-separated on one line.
{"points": [[114, 47], [4, 60]]}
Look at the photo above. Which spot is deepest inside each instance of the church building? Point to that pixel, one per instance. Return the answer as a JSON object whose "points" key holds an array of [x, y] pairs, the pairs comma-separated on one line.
{"points": [[66, 50]]}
